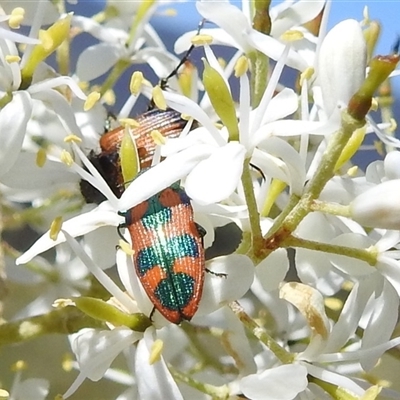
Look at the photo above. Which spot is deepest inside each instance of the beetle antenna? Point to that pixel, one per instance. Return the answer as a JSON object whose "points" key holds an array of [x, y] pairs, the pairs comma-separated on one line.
{"points": [[164, 81]]}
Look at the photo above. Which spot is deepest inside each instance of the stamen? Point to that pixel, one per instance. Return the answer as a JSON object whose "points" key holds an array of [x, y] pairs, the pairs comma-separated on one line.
{"points": [[16, 17], [136, 82], [241, 66], [72, 138], [11, 59], [156, 351], [55, 228], [158, 98], [41, 157], [201, 40], [91, 100]]}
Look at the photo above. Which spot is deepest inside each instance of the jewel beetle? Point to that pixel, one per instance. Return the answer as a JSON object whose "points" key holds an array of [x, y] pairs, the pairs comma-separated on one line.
{"points": [[169, 122], [168, 252]]}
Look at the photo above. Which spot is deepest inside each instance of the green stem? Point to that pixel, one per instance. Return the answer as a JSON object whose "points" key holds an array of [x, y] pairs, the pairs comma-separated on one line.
{"points": [[331, 208], [261, 334], [254, 215], [359, 254], [65, 321]]}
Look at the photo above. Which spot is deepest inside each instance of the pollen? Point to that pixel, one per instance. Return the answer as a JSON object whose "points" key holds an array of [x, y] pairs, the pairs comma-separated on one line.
{"points": [[41, 157], [12, 58], [201, 40], [157, 137], [91, 100], [19, 365], [292, 36], [16, 17], [156, 351], [66, 158], [136, 82], [159, 98], [241, 66], [28, 329], [109, 97], [55, 228], [72, 138]]}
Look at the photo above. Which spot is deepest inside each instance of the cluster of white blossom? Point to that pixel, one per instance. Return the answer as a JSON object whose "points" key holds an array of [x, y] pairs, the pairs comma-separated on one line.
{"points": [[276, 161]]}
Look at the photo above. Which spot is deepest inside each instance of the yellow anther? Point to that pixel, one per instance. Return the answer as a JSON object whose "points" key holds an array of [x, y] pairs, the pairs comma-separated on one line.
{"points": [[306, 74], [129, 122], [91, 100], [333, 303], [136, 82], [292, 36], [185, 117], [72, 138], [11, 59], [16, 17], [170, 12], [126, 247], [55, 228], [66, 158], [4, 395], [156, 351], [20, 365], [41, 157], [158, 98], [222, 62], [157, 137], [201, 40], [109, 97], [66, 362], [241, 66], [347, 286], [352, 171]]}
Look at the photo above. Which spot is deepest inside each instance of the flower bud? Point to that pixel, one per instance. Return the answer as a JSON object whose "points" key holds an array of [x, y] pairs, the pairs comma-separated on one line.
{"points": [[378, 207]]}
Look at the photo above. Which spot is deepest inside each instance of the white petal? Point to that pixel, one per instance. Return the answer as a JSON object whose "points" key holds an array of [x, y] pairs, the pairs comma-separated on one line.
{"points": [[350, 316], [274, 49], [229, 18], [154, 381], [219, 290], [215, 178], [272, 270], [77, 226], [280, 383], [61, 107], [105, 54], [283, 104], [295, 15], [13, 121], [381, 324], [96, 350]]}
